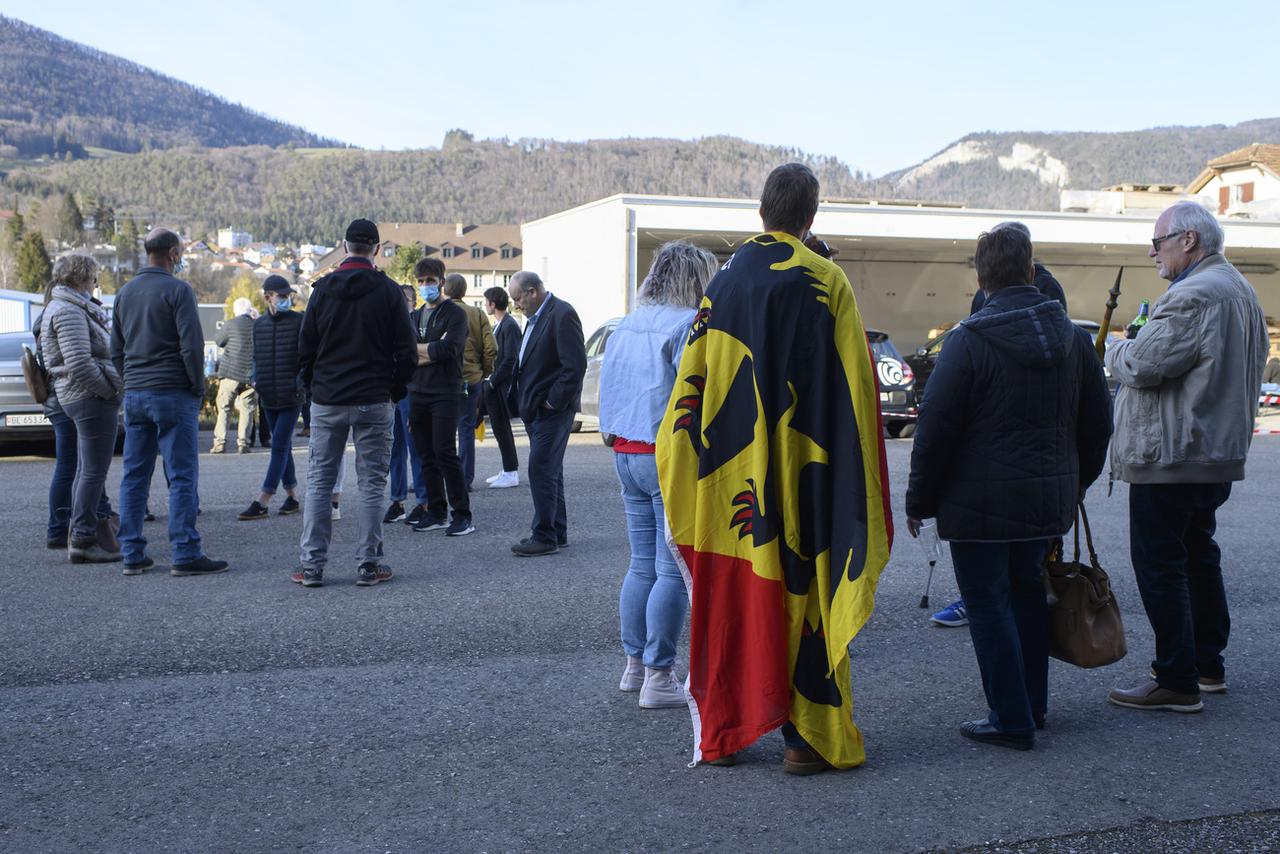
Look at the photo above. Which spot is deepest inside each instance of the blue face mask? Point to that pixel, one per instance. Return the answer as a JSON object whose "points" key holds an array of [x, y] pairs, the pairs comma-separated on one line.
{"points": [[180, 267], [430, 293], [283, 303]]}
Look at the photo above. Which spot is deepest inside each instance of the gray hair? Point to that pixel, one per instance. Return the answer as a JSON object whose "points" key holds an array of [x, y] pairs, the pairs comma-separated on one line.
{"points": [[75, 269], [678, 275], [528, 279], [1193, 216]]}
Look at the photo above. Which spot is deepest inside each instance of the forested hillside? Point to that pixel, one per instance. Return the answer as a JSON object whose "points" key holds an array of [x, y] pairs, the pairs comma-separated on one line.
{"points": [[57, 97], [279, 194]]}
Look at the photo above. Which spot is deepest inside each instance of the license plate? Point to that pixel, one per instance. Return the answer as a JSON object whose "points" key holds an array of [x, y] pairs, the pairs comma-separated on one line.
{"points": [[34, 419]]}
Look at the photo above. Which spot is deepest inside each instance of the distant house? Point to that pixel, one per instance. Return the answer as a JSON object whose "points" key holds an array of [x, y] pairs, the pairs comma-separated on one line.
{"points": [[486, 255], [229, 238], [260, 253], [1243, 183]]}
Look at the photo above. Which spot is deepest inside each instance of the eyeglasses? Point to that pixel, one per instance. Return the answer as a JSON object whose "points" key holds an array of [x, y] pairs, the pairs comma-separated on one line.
{"points": [[1156, 241]]}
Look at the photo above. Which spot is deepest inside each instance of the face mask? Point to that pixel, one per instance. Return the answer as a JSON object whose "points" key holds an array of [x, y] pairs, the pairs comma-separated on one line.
{"points": [[283, 303], [180, 267], [430, 293]]}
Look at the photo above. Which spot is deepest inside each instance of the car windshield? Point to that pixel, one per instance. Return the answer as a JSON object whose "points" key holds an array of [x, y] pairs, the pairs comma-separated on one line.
{"points": [[882, 347], [11, 347]]}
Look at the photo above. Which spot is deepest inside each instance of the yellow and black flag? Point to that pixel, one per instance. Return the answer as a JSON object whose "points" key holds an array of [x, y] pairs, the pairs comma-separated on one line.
{"points": [[771, 462]]}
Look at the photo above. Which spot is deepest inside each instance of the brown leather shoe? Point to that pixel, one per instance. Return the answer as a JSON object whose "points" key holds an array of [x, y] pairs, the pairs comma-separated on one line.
{"points": [[1149, 696], [804, 761]]}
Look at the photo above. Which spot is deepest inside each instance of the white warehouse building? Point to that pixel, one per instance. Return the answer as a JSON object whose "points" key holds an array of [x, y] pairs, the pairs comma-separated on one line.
{"points": [[910, 265]]}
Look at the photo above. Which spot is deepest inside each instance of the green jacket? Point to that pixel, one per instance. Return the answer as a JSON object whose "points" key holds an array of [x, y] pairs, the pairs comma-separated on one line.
{"points": [[481, 350]]}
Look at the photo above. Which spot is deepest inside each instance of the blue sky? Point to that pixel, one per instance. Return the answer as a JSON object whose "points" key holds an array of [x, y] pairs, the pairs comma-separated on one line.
{"points": [[879, 85]]}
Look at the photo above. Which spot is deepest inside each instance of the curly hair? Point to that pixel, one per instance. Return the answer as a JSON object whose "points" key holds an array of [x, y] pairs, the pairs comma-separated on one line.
{"points": [[678, 275], [74, 269]]}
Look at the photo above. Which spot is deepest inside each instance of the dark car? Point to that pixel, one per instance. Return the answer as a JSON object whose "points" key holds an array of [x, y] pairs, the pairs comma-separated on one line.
{"points": [[898, 400], [924, 359], [21, 418]]}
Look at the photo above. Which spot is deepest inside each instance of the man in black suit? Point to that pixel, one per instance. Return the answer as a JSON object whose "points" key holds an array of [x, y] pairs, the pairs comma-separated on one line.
{"points": [[497, 387], [547, 392]]}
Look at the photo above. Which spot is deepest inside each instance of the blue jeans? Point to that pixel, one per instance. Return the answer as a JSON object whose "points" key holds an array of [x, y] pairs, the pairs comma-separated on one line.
{"points": [[1009, 623], [1178, 566], [164, 421], [66, 456], [653, 601], [400, 444], [548, 437], [370, 427], [280, 468], [467, 432]]}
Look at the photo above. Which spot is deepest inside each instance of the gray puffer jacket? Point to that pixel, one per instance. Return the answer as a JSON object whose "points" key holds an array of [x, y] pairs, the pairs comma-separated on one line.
{"points": [[76, 347], [1189, 381]]}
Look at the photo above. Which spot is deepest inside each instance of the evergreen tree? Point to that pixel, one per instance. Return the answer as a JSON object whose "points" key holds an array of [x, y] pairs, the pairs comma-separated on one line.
{"points": [[104, 222], [401, 266], [126, 243], [13, 230], [70, 221], [34, 267]]}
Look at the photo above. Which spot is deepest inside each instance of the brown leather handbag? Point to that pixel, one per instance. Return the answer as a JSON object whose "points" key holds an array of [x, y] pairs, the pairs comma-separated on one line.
{"points": [[33, 372], [1084, 619]]}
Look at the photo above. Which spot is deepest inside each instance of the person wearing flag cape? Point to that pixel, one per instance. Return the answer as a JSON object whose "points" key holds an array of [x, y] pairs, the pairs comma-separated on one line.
{"points": [[771, 461]]}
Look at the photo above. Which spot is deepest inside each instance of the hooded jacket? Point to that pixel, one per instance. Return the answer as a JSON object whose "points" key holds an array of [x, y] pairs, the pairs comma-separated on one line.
{"points": [[1189, 381], [1013, 426], [443, 328], [356, 345], [275, 359]]}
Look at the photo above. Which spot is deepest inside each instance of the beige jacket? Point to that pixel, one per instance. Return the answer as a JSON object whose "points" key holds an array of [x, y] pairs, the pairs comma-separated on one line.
{"points": [[1189, 381], [480, 351]]}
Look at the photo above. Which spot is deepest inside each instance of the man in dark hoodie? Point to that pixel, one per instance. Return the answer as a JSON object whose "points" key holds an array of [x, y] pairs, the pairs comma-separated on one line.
{"points": [[436, 401], [158, 348], [1013, 428], [357, 353]]}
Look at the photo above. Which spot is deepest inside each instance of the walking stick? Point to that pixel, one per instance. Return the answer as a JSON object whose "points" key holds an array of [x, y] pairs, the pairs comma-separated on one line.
{"points": [[1113, 299], [933, 549]]}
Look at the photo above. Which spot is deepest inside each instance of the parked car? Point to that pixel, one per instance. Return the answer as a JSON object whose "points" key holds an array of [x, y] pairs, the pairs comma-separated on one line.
{"points": [[897, 386], [21, 418], [924, 359], [590, 414]]}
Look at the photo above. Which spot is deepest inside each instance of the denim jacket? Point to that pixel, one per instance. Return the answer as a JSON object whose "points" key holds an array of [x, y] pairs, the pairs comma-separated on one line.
{"points": [[639, 371]]}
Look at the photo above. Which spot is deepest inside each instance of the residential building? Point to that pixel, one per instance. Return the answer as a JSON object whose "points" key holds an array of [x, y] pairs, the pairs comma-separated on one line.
{"points": [[1243, 183], [486, 255], [229, 238], [260, 253]]}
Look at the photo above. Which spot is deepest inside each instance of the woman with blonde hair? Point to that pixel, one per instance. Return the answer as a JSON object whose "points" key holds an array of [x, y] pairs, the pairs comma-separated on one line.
{"points": [[639, 371], [76, 346]]}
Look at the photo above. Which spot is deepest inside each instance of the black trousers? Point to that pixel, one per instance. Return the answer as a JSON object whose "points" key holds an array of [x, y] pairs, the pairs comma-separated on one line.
{"points": [[548, 438], [495, 401], [433, 421], [1179, 572], [1009, 623]]}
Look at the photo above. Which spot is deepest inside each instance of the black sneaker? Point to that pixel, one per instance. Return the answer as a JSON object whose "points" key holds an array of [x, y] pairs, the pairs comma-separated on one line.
{"points": [[534, 548], [139, 567], [371, 574], [148, 516], [460, 527], [56, 543], [416, 515], [394, 513], [200, 566], [308, 577], [430, 523], [289, 507], [561, 543], [255, 511]]}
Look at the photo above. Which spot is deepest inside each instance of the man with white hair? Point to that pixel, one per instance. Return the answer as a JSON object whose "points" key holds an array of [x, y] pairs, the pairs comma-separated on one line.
{"points": [[234, 374], [1183, 422]]}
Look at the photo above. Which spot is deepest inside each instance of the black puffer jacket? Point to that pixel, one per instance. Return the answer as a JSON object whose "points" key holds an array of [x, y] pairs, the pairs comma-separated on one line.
{"points": [[236, 340], [276, 373], [1013, 426]]}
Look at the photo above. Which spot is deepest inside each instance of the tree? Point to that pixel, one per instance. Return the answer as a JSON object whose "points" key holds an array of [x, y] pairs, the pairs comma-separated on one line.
{"points": [[107, 282], [34, 267], [10, 241], [14, 228], [401, 266], [126, 243], [104, 222], [247, 286], [70, 221]]}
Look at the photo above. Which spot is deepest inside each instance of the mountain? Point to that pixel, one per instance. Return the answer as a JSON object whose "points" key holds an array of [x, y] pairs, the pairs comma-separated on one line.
{"points": [[58, 97], [280, 194], [1028, 170]]}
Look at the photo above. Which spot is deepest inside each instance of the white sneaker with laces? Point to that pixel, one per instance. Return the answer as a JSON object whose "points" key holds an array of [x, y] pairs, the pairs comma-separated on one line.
{"points": [[661, 689], [495, 477], [506, 480], [633, 676]]}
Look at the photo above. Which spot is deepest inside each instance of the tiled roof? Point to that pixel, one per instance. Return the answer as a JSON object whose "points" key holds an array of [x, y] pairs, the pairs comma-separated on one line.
{"points": [[1258, 154], [434, 236]]}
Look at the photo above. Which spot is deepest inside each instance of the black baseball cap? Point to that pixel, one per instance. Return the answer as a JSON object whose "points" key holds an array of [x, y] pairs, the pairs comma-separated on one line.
{"points": [[277, 284], [362, 231]]}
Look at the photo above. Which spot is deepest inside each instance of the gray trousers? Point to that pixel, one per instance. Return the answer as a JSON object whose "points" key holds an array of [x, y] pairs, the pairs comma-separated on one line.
{"points": [[370, 429], [96, 423]]}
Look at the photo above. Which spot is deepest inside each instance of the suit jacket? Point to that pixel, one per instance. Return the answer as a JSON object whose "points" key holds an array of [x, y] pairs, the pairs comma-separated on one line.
{"points": [[507, 335], [549, 377]]}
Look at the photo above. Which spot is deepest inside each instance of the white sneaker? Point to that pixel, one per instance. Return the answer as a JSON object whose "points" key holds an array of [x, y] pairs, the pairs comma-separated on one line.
{"points": [[633, 676], [661, 690], [495, 477], [506, 480]]}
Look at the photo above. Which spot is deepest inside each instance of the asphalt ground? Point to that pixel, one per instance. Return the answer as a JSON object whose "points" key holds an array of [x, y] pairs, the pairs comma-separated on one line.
{"points": [[472, 703]]}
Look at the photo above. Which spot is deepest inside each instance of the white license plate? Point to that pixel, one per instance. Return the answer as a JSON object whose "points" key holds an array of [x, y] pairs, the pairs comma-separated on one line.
{"points": [[34, 419], [884, 397]]}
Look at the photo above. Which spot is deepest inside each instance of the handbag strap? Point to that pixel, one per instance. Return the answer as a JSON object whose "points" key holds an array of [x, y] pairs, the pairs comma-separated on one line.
{"points": [[1075, 530], [1088, 535]]}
